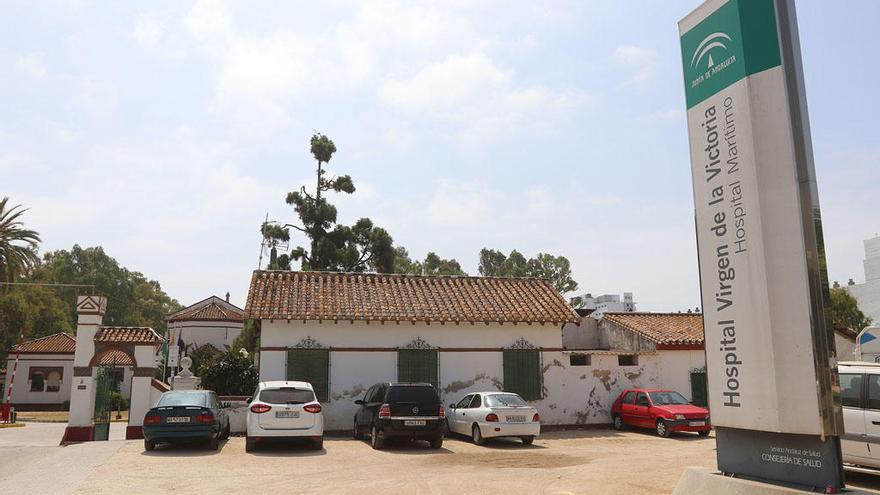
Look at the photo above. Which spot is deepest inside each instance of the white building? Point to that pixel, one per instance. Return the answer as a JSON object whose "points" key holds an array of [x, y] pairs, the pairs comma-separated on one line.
{"points": [[343, 332], [608, 303], [868, 293], [212, 321], [45, 372], [668, 348]]}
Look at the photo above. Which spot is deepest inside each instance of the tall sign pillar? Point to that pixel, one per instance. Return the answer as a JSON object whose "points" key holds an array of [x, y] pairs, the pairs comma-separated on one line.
{"points": [[769, 350]]}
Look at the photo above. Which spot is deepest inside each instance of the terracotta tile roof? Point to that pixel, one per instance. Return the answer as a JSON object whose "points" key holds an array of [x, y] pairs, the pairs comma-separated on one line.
{"points": [[391, 297], [59, 343], [208, 312], [662, 328], [129, 335], [118, 358]]}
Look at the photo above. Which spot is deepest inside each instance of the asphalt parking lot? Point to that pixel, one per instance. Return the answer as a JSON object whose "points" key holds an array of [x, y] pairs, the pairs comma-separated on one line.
{"points": [[588, 461]]}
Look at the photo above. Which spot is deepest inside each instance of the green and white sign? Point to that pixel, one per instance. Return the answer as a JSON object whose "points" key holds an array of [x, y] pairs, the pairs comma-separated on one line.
{"points": [[769, 353]]}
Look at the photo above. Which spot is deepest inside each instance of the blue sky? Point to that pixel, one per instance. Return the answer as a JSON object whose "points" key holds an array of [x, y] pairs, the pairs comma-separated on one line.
{"points": [[166, 131]]}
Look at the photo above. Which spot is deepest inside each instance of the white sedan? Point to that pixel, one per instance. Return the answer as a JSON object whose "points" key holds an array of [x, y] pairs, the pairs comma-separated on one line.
{"points": [[485, 415], [284, 410]]}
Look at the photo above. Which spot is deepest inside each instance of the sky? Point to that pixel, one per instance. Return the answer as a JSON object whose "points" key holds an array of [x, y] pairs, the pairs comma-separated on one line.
{"points": [[167, 131]]}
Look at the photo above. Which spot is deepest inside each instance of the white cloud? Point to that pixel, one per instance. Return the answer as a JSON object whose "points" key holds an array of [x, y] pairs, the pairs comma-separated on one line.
{"points": [[32, 65], [642, 62], [477, 96], [208, 17]]}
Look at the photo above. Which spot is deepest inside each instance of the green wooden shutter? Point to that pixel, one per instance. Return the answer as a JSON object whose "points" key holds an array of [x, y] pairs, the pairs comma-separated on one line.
{"points": [[418, 365], [699, 391], [522, 373], [313, 366]]}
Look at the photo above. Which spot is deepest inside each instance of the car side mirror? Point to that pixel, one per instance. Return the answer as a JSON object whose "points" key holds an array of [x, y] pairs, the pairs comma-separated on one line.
{"points": [[359, 402], [451, 406], [249, 400]]}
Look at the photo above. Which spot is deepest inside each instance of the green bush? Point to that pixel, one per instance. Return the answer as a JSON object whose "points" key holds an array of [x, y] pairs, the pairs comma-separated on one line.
{"points": [[118, 402], [232, 374]]}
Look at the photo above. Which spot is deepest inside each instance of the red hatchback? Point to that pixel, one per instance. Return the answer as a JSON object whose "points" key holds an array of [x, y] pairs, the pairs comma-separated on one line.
{"points": [[663, 410]]}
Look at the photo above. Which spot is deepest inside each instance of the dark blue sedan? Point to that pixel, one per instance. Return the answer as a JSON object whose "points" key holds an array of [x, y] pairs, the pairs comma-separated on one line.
{"points": [[184, 415]]}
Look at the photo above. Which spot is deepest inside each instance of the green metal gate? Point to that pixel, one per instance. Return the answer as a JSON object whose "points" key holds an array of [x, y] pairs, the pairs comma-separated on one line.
{"points": [[418, 366], [522, 373], [313, 366], [699, 390], [103, 389]]}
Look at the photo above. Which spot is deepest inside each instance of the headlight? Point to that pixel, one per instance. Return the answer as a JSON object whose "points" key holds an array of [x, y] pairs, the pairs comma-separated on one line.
{"points": [[679, 416]]}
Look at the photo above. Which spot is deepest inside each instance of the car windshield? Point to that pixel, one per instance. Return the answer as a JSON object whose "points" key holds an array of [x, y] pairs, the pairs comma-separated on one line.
{"points": [[287, 395], [501, 400], [183, 399], [667, 398], [419, 394]]}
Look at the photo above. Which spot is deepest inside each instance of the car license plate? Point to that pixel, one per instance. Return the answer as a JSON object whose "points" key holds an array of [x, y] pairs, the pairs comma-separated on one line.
{"points": [[697, 423], [516, 419], [414, 422], [286, 414], [177, 419]]}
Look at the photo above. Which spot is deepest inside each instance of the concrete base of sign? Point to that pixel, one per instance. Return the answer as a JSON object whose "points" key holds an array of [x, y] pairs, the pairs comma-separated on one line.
{"points": [[703, 480]]}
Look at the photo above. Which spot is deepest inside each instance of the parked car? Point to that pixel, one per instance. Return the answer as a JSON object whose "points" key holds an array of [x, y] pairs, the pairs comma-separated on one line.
{"points": [[485, 415], [400, 410], [860, 397], [182, 415], [284, 410], [663, 410]]}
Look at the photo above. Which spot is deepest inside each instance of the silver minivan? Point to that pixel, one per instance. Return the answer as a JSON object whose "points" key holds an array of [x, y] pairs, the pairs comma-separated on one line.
{"points": [[860, 394]]}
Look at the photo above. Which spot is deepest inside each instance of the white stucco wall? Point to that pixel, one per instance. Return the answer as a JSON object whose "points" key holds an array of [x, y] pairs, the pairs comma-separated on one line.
{"points": [[674, 369], [21, 393], [846, 348]]}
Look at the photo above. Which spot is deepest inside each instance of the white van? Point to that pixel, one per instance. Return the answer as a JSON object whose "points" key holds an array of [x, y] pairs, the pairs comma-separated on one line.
{"points": [[860, 394]]}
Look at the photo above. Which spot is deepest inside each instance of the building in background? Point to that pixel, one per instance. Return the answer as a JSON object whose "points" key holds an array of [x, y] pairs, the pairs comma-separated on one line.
{"points": [[665, 350], [868, 293], [45, 372], [212, 321], [608, 303]]}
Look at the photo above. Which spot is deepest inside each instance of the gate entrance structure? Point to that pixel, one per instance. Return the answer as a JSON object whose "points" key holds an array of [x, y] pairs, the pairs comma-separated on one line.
{"points": [[92, 384]]}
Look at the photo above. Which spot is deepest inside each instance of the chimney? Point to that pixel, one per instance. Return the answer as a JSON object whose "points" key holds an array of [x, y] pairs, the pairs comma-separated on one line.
{"points": [[851, 282], [836, 284], [227, 296]]}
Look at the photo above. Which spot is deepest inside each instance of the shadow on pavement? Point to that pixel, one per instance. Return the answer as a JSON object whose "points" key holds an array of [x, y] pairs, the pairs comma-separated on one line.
{"points": [[184, 449]]}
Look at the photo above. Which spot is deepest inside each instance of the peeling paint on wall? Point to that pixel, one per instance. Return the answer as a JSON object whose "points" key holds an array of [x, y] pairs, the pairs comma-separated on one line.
{"points": [[604, 376], [555, 363], [355, 391], [458, 385]]}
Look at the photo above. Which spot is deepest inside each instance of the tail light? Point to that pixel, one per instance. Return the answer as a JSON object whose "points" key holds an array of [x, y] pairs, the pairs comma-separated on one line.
{"points": [[205, 418], [260, 408], [442, 412], [492, 418], [152, 419], [536, 418], [312, 408], [385, 411]]}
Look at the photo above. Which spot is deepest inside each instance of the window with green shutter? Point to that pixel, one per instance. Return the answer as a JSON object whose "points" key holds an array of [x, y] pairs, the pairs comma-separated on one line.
{"points": [[418, 365], [522, 373], [313, 366]]}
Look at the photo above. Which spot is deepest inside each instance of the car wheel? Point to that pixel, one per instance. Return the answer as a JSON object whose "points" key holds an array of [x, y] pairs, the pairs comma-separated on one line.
{"points": [[250, 444], [617, 422], [357, 431], [704, 433], [528, 440], [376, 442], [226, 432], [318, 444], [214, 443], [662, 429], [477, 435], [148, 445], [437, 443]]}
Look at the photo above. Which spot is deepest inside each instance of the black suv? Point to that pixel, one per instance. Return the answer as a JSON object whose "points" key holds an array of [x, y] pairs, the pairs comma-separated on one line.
{"points": [[400, 410]]}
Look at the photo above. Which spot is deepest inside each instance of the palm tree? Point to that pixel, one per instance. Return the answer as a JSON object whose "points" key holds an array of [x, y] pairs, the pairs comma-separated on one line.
{"points": [[18, 246]]}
